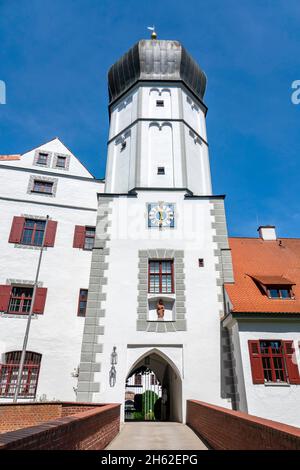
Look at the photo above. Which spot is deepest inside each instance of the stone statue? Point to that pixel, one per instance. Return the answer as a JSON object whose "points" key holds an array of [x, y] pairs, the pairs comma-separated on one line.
{"points": [[160, 308]]}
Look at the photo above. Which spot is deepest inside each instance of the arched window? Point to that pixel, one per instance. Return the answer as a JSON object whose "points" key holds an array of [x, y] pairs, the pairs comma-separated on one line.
{"points": [[9, 374]]}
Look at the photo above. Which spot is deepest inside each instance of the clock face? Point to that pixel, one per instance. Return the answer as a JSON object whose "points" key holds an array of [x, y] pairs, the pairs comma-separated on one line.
{"points": [[161, 215]]}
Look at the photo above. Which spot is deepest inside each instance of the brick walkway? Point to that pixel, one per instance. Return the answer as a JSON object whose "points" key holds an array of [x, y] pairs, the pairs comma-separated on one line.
{"points": [[155, 436]]}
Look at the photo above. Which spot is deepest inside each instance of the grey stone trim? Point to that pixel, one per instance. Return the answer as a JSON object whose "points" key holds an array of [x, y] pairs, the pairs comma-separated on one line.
{"points": [[23, 315], [22, 282], [229, 379], [93, 331], [28, 247], [42, 178], [66, 156], [223, 266], [36, 217], [179, 277], [36, 157]]}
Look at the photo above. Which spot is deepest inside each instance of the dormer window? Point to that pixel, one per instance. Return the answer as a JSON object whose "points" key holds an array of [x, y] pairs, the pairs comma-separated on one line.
{"points": [[60, 162], [275, 287], [42, 159], [277, 292]]}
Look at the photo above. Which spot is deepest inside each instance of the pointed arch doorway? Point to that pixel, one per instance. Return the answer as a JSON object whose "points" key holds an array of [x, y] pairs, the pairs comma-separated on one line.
{"points": [[153, 389]]}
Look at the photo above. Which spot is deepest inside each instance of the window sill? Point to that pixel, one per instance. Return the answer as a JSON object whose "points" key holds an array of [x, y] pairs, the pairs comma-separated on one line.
{"points": [[30, 247], [31, 397], [19, 315], [41, 193], [152, 295], [161, 321], [276, 384]]}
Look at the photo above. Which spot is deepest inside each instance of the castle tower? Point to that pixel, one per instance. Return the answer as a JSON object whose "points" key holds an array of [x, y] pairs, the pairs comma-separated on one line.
{"points": [[161, 251], [157, 135]]}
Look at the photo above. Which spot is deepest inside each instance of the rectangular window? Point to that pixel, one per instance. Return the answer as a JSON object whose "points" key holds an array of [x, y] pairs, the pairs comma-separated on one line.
{"points": [[33, 232], [123, 146], [138, 379], [161, 170], [153, 380], [42, 187], [9, 374], [161, 277], [273, 361], [20, 300], [89, 238], [160, 103], [201, 262], [277, 292], [60, 162], [82, 303], [42, 159]]}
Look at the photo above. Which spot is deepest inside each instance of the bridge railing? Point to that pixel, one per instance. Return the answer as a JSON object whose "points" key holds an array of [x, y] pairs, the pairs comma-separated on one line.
{"points": [[58, 426], [224, 429]]}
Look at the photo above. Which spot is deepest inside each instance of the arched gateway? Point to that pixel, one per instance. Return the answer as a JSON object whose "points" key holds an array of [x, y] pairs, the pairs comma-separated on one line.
{"points": [[155, 388]]}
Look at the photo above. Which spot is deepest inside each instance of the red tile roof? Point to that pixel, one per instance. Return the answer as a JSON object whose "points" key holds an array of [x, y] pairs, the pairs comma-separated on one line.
{"points": [[9, 157], [268, 262]]}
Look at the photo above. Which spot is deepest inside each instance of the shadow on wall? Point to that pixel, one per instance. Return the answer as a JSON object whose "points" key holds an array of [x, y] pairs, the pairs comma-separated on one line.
{"points": [[228, 373]]}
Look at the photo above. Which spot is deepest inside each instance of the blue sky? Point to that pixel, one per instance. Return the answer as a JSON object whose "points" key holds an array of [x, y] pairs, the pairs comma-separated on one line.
{"points": [[54, 57]]}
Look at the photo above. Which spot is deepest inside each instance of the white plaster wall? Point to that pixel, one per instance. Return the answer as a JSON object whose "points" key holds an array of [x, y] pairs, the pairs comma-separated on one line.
{"points": [[159, 137], [76, 168], [121, 163], [167, 92], [199, 361], [123, 113], [161, 154], [73, 192], [280, 403], [161, 146], [194, 113], [57, 334], [198, 168]]}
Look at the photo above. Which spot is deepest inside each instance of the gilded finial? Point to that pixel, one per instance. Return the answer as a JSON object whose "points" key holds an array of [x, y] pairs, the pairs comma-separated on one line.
{"points": [[153, 34]]}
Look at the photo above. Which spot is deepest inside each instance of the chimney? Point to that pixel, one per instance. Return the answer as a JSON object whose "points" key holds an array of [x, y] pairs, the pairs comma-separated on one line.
{"points": [[267, 232]]}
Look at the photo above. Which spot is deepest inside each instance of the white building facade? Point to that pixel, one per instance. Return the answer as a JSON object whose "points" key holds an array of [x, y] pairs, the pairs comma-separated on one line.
{"points": [[48, 180]]}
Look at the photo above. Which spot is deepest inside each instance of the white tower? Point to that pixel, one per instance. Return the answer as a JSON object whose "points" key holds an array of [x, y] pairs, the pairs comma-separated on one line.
{"points": [[161, 251], [157, 136]]}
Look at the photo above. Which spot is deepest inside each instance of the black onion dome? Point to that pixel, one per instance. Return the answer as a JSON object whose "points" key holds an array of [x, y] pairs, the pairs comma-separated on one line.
{"points": [[155, 60]]}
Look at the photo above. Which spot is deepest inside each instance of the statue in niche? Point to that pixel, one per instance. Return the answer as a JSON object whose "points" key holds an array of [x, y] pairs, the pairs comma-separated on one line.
{"points": [[160, 309]]}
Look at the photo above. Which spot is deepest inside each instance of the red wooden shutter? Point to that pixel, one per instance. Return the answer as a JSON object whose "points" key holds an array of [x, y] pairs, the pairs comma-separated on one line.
{"points": [[16, 230], [50, 233], [40, 300], [291, 362], [79, 236], [256, 362], [4, 297]]}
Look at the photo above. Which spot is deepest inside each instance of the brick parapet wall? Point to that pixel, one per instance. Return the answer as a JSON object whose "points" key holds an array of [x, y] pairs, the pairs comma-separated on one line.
{"points": [[225, 429], [91, 429], [15, 416]]}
